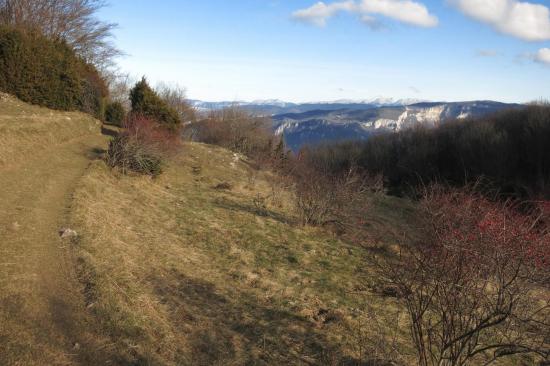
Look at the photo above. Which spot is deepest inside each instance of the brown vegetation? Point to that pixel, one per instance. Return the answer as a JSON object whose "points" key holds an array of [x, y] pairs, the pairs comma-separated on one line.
{"points": [[236, 130], [476, 288], [142, 146], [175, 98]]}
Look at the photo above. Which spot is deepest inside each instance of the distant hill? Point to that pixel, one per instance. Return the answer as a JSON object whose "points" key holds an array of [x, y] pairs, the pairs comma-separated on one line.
{"points": [[352, 123]]}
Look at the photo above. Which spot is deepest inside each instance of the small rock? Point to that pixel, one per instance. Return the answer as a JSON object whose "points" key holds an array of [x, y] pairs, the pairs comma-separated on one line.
{"points": [[15, 226], [66, 233], [76, 346]]}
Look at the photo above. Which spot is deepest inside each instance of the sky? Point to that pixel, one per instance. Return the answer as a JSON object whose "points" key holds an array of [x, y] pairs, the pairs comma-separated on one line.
{"points": [[305, 50]]}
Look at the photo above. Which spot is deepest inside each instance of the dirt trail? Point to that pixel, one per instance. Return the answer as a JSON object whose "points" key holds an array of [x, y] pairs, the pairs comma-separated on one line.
{"points": [[42, 315]]}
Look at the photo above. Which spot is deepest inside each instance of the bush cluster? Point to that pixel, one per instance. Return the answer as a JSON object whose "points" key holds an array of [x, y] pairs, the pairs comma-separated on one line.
{"points": [[146, 102], [142, 147], [48, 73], [473, 285], [237, 130]]}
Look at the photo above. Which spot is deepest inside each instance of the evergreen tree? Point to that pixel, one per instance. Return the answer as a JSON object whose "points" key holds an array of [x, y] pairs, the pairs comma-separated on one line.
{"points": [[145, 101]]}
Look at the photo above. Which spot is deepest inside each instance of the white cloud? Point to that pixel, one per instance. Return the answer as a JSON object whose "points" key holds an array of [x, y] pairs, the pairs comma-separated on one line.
{"points": [[524, 20], [405, 11], [543, 56], [319, 13]]}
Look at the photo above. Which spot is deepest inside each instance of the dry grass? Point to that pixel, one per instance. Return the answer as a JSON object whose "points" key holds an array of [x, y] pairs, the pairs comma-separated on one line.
{"points": [[26, 130], [181, 273], [200, 266], [172, 271], [42, 155]]}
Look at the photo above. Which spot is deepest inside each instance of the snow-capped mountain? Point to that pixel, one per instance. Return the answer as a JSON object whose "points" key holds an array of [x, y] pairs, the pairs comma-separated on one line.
{"points": [[357, 124], [275, 106], [378, 101]]}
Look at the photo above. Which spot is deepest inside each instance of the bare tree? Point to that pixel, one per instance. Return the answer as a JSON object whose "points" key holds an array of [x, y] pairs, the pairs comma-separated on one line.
{"points": [[323, 197], [176, 98], [237, 130], [119, 84], [478, 289], [73, 21]]}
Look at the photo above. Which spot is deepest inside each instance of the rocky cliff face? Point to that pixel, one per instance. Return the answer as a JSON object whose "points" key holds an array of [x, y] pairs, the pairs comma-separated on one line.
{"points": [[318, 126]]}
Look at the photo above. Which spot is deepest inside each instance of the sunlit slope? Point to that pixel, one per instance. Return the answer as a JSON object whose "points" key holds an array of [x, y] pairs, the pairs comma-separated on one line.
{"points": [[180, 271]]}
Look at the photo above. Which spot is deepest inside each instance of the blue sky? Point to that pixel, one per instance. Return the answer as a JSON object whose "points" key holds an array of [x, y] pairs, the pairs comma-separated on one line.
{"points": [[299, 50]]}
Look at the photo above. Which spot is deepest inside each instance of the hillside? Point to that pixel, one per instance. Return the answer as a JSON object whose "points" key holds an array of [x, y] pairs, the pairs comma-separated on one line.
{"points": [[204, 265], [42, 155], [169, 271], [181, 273]]}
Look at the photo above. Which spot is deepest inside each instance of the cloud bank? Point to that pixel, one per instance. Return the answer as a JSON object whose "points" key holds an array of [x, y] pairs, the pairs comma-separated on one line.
{"points": [[523, 20], [404, 11]]}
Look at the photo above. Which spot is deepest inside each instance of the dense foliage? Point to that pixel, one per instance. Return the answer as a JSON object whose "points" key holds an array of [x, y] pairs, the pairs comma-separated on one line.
{"points": [[48, 73], [115, 113], [146, 102], [509, 149]]}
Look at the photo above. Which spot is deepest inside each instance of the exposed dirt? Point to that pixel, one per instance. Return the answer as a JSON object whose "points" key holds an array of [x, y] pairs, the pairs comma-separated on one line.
{"points": [[42, 311]]}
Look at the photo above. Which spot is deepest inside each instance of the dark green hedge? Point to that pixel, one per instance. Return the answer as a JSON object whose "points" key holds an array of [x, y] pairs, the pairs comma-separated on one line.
{"points": [[115, 113], [40, 71]]}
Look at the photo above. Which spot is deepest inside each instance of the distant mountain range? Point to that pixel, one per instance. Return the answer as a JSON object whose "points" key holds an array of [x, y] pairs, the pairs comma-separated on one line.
{"points": [[275, 106], [313, 123]]}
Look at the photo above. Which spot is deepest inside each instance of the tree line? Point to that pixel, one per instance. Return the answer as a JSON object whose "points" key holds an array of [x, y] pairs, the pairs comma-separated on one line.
{"points": [[508, 150]]}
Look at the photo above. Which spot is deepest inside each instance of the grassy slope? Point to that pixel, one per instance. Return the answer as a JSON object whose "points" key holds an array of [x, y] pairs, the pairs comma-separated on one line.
{"points": [[181, 273], [42, 155], [172, 271], [25, 130]]}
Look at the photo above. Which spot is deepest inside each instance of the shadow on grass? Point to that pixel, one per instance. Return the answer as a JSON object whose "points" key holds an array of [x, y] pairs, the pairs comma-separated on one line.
{"points": [[237, 206], [95, 153], [241, 329], [109, 131]]}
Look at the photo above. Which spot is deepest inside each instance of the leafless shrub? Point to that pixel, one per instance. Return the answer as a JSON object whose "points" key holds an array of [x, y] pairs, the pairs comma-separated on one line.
{"points": [[375, 337], [325, 198], [119, 85], [237, 130], [478, 289], [176, 98], [142, 147], [74, 21]]}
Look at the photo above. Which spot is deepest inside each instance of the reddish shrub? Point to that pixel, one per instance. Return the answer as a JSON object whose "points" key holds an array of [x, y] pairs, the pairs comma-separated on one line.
{"points": [[148, 131], [142, 146], [475, 226], [477, 288]]}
